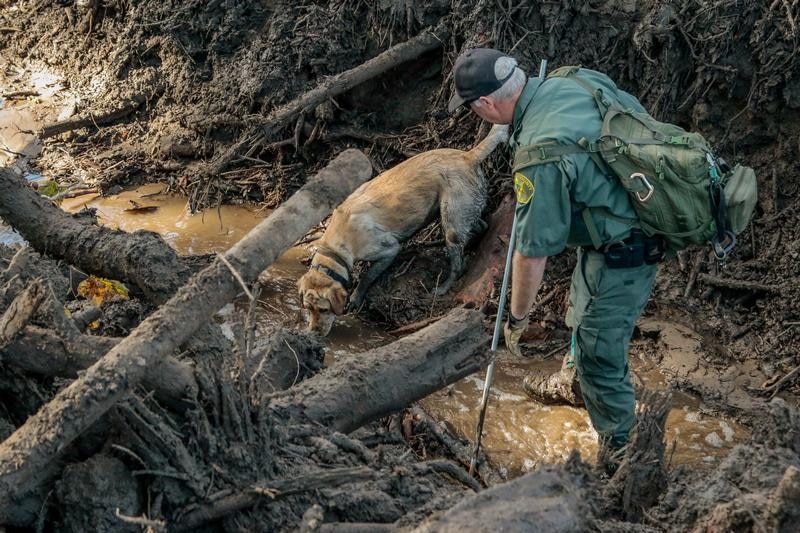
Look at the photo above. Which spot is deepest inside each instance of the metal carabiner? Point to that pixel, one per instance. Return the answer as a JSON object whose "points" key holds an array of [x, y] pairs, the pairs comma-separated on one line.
{"points": [[723, 249], [650, 189]]}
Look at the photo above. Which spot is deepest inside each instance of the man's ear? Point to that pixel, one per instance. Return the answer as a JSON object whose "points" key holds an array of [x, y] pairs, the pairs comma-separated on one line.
{"points": [[338, 299]]}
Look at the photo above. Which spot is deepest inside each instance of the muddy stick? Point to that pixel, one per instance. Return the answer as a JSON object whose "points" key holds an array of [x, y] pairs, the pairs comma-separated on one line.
{"points": [[99, 119], [270, 490], [367, 386], [443, 466], [697, 264], [726, 283], [424, 42], [22, 308], [356, 527], [24, 455]]}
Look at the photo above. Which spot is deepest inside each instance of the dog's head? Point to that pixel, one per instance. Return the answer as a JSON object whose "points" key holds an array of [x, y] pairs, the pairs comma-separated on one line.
{"points": [[323, 297]]}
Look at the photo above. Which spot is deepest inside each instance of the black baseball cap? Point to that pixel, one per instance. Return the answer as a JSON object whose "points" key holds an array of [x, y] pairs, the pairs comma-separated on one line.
{"points": [[476, 75]]}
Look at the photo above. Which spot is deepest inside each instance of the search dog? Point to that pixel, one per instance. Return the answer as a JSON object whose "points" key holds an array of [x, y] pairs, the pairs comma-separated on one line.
{"points": [[374, 221]]}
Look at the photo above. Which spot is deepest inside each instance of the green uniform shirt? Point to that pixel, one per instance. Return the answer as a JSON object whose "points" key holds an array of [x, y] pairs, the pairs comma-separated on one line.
{"points": [[552, 196]]}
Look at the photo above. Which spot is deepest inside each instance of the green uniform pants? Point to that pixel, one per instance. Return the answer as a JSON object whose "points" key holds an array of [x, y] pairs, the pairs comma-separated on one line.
{"points": [[604, 305]]}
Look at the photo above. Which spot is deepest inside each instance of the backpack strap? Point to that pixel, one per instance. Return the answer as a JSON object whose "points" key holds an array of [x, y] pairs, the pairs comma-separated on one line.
{"points": [[594, 233], [550, 152], [603, 105]]}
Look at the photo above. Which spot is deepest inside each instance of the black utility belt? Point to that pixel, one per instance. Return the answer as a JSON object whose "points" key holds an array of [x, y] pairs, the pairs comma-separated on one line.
{"points": [[635, 251]]}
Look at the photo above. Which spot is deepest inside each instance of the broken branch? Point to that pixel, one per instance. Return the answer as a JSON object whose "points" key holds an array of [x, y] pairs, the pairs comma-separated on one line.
{"points": [[725, 283], [20, 311], [101, 119]]}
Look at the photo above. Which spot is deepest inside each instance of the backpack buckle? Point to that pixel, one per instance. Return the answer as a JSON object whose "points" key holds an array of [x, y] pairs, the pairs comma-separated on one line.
{"points": [[650, 189], [542, 153]]}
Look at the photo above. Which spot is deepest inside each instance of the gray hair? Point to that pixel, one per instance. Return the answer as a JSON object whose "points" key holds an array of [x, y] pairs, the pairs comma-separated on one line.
{"points": [[511, 87]]}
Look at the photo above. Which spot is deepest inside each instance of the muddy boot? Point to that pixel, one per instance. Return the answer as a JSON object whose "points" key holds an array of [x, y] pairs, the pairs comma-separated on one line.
{"points": [[560, 387], [609, 458]]}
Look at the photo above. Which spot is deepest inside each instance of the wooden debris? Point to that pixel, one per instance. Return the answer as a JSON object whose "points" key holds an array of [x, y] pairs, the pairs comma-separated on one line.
{"points": [[25, 455]]}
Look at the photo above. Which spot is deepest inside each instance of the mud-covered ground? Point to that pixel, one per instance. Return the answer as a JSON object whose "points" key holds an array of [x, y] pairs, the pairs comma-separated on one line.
{"points": [[197, 81]]}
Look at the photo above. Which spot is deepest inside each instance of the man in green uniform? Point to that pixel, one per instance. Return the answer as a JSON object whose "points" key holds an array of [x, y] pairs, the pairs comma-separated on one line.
{"points": [[559, 203]]}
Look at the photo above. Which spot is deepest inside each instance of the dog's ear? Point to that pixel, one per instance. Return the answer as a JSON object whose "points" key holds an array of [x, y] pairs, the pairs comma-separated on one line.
{"points": [[338, 298]]}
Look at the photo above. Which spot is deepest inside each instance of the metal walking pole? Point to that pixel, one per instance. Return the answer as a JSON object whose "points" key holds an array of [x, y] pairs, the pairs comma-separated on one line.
{"points": [[501, 305]]}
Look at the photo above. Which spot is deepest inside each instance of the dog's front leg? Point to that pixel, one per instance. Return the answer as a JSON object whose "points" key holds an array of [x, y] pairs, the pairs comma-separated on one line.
{"points": [[456, 253], [368, 278]]}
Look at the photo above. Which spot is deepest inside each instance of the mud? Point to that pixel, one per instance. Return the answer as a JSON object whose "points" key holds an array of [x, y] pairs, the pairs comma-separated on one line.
{"points": [[91, 492]]}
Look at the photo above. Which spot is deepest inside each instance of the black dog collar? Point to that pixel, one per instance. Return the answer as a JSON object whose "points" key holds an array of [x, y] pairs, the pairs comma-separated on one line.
{"points": [[335, 276]]}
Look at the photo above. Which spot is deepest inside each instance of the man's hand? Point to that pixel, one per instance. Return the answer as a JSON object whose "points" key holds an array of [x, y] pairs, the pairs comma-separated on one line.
{"points": [[512, 332]]}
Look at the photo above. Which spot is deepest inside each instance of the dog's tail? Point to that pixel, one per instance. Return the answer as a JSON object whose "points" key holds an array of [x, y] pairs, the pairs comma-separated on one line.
{"points": [[497, 135]]}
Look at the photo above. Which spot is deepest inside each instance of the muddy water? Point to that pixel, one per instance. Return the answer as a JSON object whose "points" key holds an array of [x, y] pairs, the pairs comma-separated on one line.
{"points": [[519, 433], [214, 230]]}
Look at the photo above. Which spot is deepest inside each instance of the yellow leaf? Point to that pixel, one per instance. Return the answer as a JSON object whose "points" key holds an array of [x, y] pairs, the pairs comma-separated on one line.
{"points": [[48, 188], [100, 290]]}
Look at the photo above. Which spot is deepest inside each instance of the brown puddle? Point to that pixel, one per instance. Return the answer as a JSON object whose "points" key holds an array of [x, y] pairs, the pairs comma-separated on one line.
{"points": [[519, 433], [214, 230]]}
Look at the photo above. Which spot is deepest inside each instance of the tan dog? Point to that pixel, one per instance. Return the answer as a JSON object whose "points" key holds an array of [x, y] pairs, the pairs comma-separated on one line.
{"points": [[372, 223]]}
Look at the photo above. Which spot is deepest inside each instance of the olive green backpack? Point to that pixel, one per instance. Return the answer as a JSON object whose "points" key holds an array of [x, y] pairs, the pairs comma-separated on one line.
{"points": [[679, 188]]}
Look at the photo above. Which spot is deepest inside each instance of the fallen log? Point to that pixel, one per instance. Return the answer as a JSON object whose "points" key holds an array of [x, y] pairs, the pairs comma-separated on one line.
{"points": [[142, 257], [38, 442], [367, 386], [549, 499], [426, 41], [38, 351], [93, 119]]}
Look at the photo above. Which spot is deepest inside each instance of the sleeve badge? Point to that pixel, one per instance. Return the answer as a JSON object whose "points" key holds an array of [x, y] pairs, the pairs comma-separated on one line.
{"points": [[523, 188]]}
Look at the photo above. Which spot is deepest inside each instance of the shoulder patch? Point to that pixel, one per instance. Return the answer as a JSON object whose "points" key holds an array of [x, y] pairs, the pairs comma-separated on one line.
{"points": [[523, 187]]}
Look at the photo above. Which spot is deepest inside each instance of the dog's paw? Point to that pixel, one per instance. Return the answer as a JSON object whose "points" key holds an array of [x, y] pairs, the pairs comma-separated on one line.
{"points": [[355, 302]]}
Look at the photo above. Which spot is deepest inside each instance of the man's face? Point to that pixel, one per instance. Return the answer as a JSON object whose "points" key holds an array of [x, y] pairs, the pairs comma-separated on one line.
{"points": [[493, 111]]}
